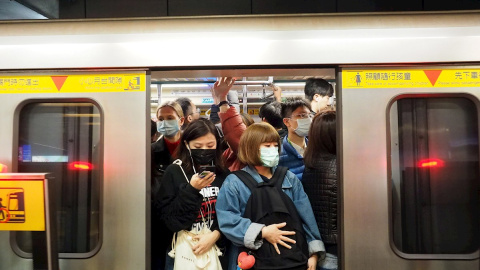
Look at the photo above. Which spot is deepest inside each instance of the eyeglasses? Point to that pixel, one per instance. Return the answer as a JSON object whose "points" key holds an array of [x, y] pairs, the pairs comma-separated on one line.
{"points": [[197, 111], [302, 116]]}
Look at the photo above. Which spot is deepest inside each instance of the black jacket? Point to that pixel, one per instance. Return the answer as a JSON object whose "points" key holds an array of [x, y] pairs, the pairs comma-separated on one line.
{"points": [[320, 184], [180, 203], [161, 158], [161, 238]]}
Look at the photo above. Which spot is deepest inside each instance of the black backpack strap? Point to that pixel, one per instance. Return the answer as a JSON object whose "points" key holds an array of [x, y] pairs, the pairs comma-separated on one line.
{"points": [[247, 179], [278, 176]]}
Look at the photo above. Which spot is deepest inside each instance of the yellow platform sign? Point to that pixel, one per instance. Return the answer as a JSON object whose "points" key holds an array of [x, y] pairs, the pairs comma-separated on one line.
{"points": [[72, 83], [415, 78], [22, 205]]}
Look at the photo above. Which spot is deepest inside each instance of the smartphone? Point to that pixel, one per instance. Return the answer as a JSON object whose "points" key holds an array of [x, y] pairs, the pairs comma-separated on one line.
{"points": [[205, 170]]}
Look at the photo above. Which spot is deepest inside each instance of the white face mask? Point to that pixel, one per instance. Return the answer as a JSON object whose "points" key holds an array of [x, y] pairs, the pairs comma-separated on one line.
{"points": [[269, 156], [330, 101], [303, 126]]}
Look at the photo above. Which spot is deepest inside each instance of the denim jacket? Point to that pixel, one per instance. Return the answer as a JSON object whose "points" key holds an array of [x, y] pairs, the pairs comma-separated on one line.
{"points": [[232, 200]]}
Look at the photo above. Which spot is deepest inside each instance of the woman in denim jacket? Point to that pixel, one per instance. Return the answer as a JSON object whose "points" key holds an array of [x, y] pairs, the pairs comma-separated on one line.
{"points": [[259, 150]]}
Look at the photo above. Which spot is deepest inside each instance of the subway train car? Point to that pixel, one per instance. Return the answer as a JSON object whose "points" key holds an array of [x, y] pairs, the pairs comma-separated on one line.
{"points": [[76, 98]]}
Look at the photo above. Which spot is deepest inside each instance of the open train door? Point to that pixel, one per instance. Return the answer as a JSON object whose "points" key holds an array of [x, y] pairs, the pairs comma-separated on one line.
{"points": [[409, 156], [90, 131]]}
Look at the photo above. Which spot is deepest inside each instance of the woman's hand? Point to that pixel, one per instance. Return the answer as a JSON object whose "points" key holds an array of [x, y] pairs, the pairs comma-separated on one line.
{"points": [[277, 92], [312, 262], [205, 242], [274, 235], [221, 88], [200, 182]]}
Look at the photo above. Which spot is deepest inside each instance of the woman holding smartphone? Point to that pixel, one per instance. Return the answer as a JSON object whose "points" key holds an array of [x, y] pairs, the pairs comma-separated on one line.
{"points": [[188, 193]]}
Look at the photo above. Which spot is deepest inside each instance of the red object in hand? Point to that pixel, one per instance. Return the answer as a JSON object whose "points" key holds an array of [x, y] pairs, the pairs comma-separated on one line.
{"points": [[245, 261]]}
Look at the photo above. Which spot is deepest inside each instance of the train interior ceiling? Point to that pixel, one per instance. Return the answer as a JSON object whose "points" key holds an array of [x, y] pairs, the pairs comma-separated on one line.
{"points": [[256, 85]]}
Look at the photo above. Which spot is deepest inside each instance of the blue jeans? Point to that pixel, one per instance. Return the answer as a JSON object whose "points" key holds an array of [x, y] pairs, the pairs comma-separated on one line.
{"points": [[169, 261], [329, 263]]}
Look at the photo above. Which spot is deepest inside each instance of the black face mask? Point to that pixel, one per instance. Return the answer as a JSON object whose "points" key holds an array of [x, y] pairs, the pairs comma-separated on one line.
{"points": [[203, 156]]}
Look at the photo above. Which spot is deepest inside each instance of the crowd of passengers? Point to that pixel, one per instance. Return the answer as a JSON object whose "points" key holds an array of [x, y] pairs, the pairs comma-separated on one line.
{"points": [[297, 133]]}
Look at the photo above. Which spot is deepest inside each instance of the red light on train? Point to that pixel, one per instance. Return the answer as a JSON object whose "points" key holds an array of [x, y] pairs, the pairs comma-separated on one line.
{"points": [[3, 168], [79, 165], [431, 163]]}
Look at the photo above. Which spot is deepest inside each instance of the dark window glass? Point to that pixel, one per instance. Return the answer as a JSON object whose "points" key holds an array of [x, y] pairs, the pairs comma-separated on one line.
{"points": [[64, 139], [435, 175]]}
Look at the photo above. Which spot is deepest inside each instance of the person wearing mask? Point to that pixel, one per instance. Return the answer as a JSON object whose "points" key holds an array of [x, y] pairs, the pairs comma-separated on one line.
{"points": [[319, 93], [320, 182], [297, 116], [170, 119], [259, 150], [189, 110], [187, 195]]}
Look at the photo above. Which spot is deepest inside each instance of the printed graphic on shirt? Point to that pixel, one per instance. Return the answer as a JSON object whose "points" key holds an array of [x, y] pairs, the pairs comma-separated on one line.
{"points": [[210, 194]]}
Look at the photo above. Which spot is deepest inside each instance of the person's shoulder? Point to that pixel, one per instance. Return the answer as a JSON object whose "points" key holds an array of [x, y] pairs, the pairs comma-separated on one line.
{"points": [[159, 145], [173, 169], [292, 178], [231, 181]]}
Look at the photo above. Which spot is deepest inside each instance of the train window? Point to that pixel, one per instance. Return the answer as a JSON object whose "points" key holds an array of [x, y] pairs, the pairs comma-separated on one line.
{"points": [[435, 177], [64, 139]]}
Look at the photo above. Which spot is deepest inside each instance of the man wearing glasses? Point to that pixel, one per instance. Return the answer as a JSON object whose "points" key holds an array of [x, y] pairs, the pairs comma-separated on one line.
{"points": [[189, 110], [297, 116]]}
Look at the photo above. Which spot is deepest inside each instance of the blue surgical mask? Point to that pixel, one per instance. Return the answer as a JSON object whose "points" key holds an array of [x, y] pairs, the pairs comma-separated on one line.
{"points": [[269, 156], [303, 126], [168, 127]]}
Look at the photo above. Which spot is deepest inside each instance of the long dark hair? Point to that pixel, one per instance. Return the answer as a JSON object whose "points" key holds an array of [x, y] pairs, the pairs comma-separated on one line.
{"points": [[196, 129], [322, 137]]}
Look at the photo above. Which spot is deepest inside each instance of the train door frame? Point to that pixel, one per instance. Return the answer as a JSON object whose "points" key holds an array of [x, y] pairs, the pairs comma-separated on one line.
{"points": [[113, 105], [343, 119]]}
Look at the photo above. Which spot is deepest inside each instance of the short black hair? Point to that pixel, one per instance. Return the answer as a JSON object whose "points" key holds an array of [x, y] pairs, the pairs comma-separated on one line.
{"points": [[272, 112], [317, 86], [186, 105], [293, 103]]}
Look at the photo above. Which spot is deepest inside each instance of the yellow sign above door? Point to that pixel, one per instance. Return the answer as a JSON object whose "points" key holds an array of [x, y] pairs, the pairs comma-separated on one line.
{"points": [[72, 83], [414, 78]]}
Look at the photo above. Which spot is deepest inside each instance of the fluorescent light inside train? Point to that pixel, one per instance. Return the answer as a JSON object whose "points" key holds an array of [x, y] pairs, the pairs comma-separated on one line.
{"points": [[290, 84], [187, 85]]}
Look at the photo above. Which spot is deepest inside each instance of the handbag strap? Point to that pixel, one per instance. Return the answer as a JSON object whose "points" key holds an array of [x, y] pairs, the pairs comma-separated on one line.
{"points": [[179, 163], [174, 244]]}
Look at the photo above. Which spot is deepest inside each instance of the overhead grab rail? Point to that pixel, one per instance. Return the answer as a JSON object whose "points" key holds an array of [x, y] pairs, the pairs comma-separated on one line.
{"points": [[243, 82]]}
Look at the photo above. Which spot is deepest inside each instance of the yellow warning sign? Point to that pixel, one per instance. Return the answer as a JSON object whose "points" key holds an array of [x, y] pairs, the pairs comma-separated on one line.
{"points": [[253, 111], [72, 83], [415, 78], [22, 205]]}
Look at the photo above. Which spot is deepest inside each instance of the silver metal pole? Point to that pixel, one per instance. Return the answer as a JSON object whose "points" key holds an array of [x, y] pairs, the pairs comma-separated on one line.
{"points": [[245, 82], [245, 109]]}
